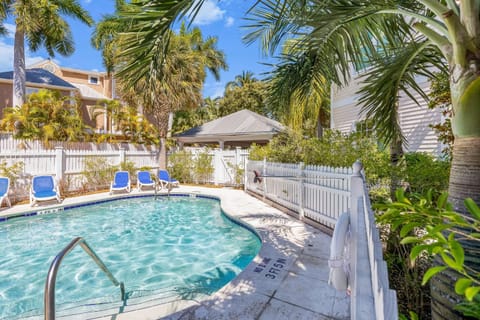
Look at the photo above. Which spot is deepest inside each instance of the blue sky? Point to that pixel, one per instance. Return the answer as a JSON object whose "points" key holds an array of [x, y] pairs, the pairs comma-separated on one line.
{"points": [[222, 19]]}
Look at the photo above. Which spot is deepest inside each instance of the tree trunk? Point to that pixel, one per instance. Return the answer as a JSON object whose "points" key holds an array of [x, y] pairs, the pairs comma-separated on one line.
{"points": [[464, 183], [19, 72], [162, 162]]}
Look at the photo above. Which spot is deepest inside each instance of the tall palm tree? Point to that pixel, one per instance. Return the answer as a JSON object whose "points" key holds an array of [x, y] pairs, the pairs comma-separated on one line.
{"points": [[345, 33], [177, 80], [41, 24]]}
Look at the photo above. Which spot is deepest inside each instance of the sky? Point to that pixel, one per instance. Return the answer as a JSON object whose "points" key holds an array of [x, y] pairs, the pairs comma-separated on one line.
{"points": [[222, 19]]}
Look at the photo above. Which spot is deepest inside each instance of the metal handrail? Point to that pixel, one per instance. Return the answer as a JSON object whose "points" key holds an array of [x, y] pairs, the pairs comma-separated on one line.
{"points": [[49, 295]]}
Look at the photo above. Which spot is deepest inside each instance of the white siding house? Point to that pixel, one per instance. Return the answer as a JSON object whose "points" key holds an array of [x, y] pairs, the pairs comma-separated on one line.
{"points": [[414, 119]]}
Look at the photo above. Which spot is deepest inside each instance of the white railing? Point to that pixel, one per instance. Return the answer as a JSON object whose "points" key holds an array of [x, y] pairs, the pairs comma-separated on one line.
{"points": [[321, 194], [369, 273]]}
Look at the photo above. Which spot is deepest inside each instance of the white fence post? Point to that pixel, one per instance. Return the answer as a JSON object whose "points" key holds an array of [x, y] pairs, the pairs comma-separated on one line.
{"points": [[122, 156], [301, 210], [59, 163], [264, 174]]}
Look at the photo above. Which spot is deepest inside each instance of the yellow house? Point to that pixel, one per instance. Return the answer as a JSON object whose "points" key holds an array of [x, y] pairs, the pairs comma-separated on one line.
{"points": [[90, 86]]}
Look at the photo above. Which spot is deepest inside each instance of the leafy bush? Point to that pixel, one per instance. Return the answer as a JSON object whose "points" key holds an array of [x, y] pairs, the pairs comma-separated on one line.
{"points": [[428, 226], [423, 172], [12, 172], [180, 166], [333, 149], [98, 173], [203, 167], [47, 115]]}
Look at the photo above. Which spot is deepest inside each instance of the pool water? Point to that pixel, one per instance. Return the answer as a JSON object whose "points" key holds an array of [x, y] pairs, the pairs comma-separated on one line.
{"points": [[181, 245]]}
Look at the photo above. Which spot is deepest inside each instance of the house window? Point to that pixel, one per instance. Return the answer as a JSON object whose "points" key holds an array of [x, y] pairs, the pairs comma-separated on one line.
{"points": [[92, 80]]}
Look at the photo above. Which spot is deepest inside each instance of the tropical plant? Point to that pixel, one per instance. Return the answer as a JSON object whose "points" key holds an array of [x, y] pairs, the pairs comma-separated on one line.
{"points": [[11, 171], [250, 96], [298, 93], [180, 165], [245, 78], [429, 225], [47, 115], [203, 167], [98, 172], [42, 25]]}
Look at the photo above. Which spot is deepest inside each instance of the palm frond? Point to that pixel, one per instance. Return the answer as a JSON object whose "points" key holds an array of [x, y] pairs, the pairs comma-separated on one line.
{"points": [[391, 76]]}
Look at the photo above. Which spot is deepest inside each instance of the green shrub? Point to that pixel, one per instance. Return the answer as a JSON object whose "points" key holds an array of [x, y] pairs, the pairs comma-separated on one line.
{"points": [[424, 172], [203, 167], [98, 173], [180, 166], [12, 172], [427, 226]]}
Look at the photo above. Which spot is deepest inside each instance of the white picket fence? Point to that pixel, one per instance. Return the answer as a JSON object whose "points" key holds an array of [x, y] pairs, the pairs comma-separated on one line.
{"points": [[68, 165], [321, 194]]}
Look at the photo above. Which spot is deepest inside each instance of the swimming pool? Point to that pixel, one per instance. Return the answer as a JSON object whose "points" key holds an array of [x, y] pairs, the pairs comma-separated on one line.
{"points": [[180, 245]]}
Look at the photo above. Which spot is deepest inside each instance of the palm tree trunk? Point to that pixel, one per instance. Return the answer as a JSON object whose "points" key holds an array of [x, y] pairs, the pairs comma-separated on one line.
{"points": [[464, 183], [19, 72]]}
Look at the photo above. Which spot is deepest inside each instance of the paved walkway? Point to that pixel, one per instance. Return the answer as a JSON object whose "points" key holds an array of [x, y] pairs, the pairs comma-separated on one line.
{"points": [[286, 280]]}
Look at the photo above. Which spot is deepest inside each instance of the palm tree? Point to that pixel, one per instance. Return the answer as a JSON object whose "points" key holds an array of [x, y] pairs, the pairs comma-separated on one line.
{"points": [[299, 93], [241, 80], [352, 32], [176, 82], [41, 24]]}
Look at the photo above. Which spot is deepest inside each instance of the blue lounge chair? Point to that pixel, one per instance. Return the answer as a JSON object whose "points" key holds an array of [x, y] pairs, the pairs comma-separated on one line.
{"points": [[121, 181], [4, 187], [144, 180], [44, 188], [165, 180]]}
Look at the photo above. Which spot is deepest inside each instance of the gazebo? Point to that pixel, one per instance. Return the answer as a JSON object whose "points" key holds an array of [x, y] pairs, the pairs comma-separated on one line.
{"points": [[239, 129]]}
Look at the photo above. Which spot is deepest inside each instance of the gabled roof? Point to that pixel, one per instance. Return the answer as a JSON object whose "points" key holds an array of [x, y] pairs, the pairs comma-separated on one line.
{"points": [[244, 125], [40, 77]]}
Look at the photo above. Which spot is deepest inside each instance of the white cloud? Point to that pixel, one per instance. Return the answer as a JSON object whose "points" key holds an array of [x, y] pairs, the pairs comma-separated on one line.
{"points": [[214, 89], [209, 13], [10, 28], [6, 52], [229, 21]]}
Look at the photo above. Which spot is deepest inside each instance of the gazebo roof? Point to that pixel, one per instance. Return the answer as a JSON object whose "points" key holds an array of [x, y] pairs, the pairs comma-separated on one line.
{"points": [[241, 126]]}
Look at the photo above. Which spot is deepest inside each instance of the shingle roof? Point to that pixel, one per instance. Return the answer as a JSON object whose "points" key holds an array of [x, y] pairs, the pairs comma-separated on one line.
{"points": [[244, 122], [40, 76]]}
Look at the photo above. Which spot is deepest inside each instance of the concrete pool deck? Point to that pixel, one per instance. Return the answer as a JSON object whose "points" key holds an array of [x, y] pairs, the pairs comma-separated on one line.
{"points": [[286, 280]]}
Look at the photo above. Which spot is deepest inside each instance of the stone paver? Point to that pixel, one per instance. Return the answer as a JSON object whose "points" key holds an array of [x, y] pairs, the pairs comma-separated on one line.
{"points": [[286, 280]]}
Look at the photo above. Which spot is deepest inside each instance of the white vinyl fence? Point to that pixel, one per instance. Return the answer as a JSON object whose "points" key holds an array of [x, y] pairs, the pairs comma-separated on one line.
{"points": [[67, 164], [321, 194], [228, 164]]}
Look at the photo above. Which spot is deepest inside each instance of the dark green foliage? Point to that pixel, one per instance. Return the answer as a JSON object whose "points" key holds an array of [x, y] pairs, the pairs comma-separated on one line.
{"points": [[424, 172]]}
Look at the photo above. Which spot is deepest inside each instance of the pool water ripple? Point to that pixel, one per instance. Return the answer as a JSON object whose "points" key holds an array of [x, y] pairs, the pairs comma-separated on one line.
{"points": [[171, 245]]}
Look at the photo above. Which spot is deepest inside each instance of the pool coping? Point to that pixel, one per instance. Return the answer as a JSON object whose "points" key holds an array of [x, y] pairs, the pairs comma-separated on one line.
{"points": [[286, 280]]}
